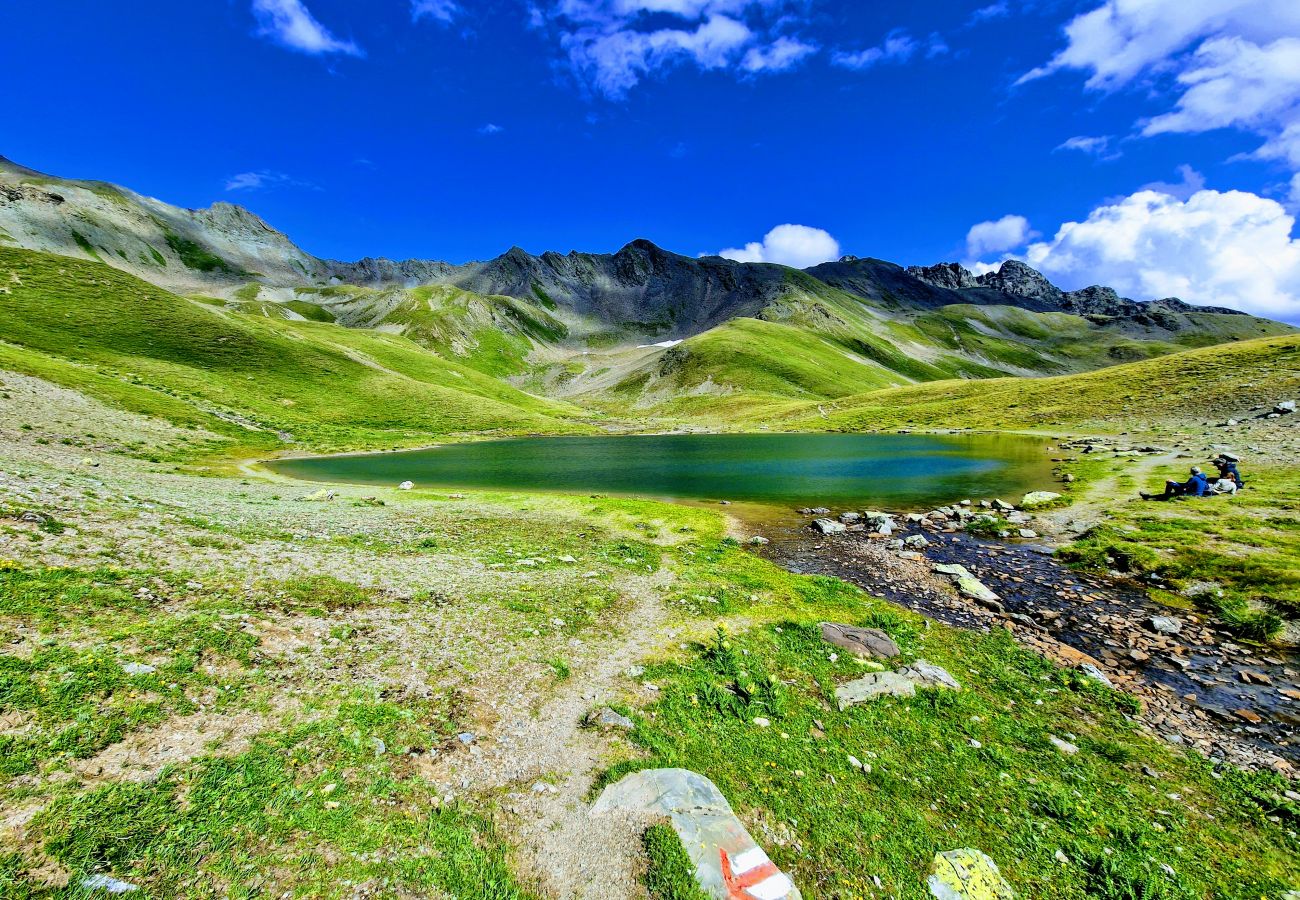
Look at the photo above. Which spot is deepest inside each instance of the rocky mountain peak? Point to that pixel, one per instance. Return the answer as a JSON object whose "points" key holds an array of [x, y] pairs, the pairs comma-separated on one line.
{"points": [[953, 276], [1020, 280]]}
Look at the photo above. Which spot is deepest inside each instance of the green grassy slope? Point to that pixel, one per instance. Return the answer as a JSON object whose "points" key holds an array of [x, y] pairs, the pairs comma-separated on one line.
{"points": [[83, 324], [1209, 382]]}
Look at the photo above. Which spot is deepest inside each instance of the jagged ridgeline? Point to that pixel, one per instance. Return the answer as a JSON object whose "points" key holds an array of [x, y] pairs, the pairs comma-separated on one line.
{"points": [[640, 330]]}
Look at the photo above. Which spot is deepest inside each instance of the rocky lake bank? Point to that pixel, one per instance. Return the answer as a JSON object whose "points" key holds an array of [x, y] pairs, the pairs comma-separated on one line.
{"points": [[1199, 685]]}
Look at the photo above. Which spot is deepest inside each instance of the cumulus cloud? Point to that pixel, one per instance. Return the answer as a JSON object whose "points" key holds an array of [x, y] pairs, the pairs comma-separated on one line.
{"points": [[798, 246], [490, 128], [898, 47], [1236, 63], [612, 45], [444, 11], [291, 25], [998, 235], [1229, 248], [1189, 182]]}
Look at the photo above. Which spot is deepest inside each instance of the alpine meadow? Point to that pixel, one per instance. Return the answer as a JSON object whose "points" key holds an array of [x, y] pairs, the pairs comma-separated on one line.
{"points": [[755, 569]]}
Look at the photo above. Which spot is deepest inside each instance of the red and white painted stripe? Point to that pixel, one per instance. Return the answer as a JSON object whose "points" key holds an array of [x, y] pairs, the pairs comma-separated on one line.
{"points": [[750, 875]]}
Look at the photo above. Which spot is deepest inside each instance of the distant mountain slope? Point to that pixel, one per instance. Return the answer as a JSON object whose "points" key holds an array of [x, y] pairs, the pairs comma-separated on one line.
{"points": [[642, 327], [266, 381], [1205, 383]]}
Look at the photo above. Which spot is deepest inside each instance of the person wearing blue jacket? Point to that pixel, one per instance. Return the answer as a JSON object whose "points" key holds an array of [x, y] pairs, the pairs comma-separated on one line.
{"points": [[1226, 463], [1196, 486]]}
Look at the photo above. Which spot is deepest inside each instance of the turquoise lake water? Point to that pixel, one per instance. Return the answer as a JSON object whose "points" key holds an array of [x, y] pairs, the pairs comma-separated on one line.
{"points": [[836, 470]]}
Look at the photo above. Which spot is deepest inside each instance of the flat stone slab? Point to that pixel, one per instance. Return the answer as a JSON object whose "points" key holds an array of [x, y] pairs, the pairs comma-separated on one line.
{"points": [[877, 684], [967, 875], [953, 570], [865, 641], [927, 674], [903, 683], [975, 589], [729, 864]]}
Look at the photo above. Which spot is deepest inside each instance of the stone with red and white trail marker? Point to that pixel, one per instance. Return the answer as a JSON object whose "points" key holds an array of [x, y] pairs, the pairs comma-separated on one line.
{"points": [[729, 864]]}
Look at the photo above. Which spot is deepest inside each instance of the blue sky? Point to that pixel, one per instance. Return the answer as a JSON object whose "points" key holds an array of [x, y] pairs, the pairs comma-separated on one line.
{"points": [[1167, 131]]}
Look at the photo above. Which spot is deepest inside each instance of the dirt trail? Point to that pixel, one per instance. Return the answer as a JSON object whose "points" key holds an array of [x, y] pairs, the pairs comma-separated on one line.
{"points": [[545, 761]]}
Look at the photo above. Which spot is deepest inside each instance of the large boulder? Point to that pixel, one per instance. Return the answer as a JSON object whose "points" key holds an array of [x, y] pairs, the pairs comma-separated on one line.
{"points": [[728, 862], [829, 526], [974, 589], [1038, 498], [863, 641]]}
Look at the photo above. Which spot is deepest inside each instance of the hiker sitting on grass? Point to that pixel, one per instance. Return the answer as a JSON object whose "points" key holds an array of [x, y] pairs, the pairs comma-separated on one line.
{"points": [[1226, 463], [1224, 485], [1196, 486]]}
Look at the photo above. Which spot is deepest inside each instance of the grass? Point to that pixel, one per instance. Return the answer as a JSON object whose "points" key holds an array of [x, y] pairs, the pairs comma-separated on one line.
{"points": [[1236, 557], [104, 332], [670, 874], [947, 770], [1168, 389]]}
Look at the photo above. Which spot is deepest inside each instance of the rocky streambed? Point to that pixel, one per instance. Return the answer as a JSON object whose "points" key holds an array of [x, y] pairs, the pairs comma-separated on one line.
{"points": [[1199, 686]]}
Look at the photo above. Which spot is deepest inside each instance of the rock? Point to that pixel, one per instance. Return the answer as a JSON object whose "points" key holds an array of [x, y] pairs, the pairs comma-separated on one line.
{"points": [[135, 668], [1027, 533], [877, 684], [850, 518], [607, 718], [895, 544], [1038, 498], [865, 641], [1164, 625], [107, 884], [1247, 715], [1250, 677], [916, 541], [1285, 407], [952, 569], [406, 485], [728, 862], [973, 588], [93, 463], [927, 674], [967, 874], [1095, 674], [759, 541], [465, 737], [829, 526], [819, 511], [1063, 745], [1003, 505]]}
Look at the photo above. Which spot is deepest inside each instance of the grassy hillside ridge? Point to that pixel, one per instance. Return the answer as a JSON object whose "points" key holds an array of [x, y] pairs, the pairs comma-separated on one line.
{"points": [[862, 323], [1211, 383], [330, 387]]}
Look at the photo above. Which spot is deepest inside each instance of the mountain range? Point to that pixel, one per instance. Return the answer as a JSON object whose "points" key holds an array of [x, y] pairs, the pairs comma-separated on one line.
{"points": [[642, 329]]}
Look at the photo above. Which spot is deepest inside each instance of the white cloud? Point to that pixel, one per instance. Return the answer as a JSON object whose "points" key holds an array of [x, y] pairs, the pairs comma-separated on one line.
{"points": [[439, 10], [263, 179], [612, 45], [1099, 146], [998, 235], [783, 53], [490, 128], [290, 24], [1294, 197], [1236, 63], [898, 46], [790, 245], [992, 11], [1229, 248], [1232, 82]]}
